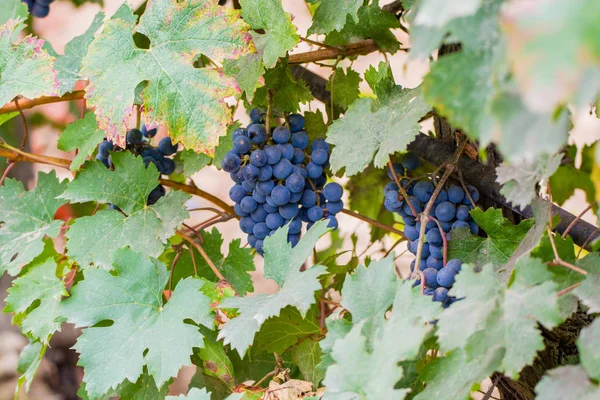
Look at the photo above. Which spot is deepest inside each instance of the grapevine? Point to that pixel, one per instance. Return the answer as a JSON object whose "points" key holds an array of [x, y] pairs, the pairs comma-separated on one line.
{"points": [[338, 199]]}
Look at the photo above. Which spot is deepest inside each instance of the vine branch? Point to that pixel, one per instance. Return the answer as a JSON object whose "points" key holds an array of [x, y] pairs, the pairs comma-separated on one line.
{"points": [[373, 222], [212, 265], [30, 103]]}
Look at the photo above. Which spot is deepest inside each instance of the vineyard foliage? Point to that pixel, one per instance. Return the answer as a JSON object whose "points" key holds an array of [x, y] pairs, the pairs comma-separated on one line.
{"points": [[153, 294]]}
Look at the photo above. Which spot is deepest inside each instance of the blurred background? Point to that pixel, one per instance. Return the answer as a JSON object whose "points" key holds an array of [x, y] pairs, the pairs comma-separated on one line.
{"points": [[58, 377]]}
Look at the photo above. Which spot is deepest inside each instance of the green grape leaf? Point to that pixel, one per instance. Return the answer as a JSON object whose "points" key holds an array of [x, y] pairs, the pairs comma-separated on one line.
{"points": [[520, 179], [248, 72], [364, 133], [26, 218], [314, 124], [144, 388], [178, 32], [337, 328], [353, 370], [38, 284], [282, 332], [307, 356], [567, 177], [344, 86], [282, 264], [545, 47], [373, 23], [381, 80], [144, 331], [369, 292], [587, 292], [279, 33], [29, 362], [502, 239], [235, 267], [331, 15], [193, 394], [25, 68], [456, 375], [568, 382], [12, 9], [288, 92], [493, 315], [525, 135], [440, 12], [219, 390], [366, 197], [69, 64], [215, 362], [225, 144], [589, 339], [83, 135], [192, 162]]}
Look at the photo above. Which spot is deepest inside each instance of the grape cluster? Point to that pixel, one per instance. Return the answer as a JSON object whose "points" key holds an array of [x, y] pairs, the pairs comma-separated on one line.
{"points": [[138, 142], [38, 8], [451, 209], [277, 182]]}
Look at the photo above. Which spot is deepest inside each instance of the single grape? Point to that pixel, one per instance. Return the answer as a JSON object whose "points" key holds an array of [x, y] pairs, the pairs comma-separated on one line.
{"points": [[258, 246], [231, 162], [445, 277], [456, 194], [103, 159], [247, 224], [445, 211], [425, 252], [436, 251], [258, 215], [271, 202], [237, 176], [289, 211], [167, 166], [282, 169], [155, 194], [251, 172], [265, 173], [248, 204], [252, 240], [474, 195], [413, 246], [295, 226], [309, 198], [434, 237], [319, 157], [134, 136], [167, 147], [258, 158], [300, 140], [242, 145], [295, 183], [398, 169], [454, 264], [287, 150], [446, 226], [248, 186], [274, 220], [423, 191], [333, 191], [105, 147], [441, 197], [257, 133], [239, 132], [440, 294], [259, 197], [460, 224], [280, 195], [238, 210], [409, 220], [462, 212], [434, 262], [260, 230], [298, 156], [333, 222], [296, 122], [390, 187], [314, 170], [281, 134], [320, 144], [430, 275], [265, 187], [293, 239], [315, 213], [474, 227], [416, 205], [273, 154], [411, 161], [256, 115], [334, 207]]}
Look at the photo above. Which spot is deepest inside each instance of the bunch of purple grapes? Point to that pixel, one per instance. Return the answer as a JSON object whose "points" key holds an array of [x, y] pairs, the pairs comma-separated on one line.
{"points": [[451, 209], [138, 142], [277, 182], [38, 8]]}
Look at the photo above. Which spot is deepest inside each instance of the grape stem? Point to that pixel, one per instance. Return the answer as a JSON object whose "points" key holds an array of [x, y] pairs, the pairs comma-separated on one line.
{"points": [[567, 290], [200, 193], [10, 166], [373, 222], [15, 155], [400, 188], [560, 261], [212, 265], [574, 222], [25, 128], [27, 104], [444, 239]]}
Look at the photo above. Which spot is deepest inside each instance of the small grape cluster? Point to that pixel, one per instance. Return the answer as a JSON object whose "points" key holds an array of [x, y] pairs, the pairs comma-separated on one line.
{"points": [[277, 183], [138, 142], [38, 8], [451, 209]]}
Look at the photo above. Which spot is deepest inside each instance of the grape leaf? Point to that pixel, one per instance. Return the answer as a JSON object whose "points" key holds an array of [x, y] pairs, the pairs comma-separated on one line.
{"points": [[589, 339], [144, 388], [234, 267], [545, 45], [337, 328], [282, 332], [218, 389], [193, 394], [279, 33], [225, 144], [144, 330], [353, 370], [307, 356], [502, 239], [364, 133], [192, 162], [568, 177], [38, 284], [520, 179], [373, 23], [247, 71], [492, 315], [83, 135], [69, 64], [331, 15], [381, 80], [127, 187], [27, 217], [25, 68], [366, 198], [587, 292], [282, 264], [12, 9], [215, 362], [369, 292], [344, 86], [315, 125], [178, 32], [440, 12], [288, 92], [568, 382], [29, 362], [456, 375]]}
